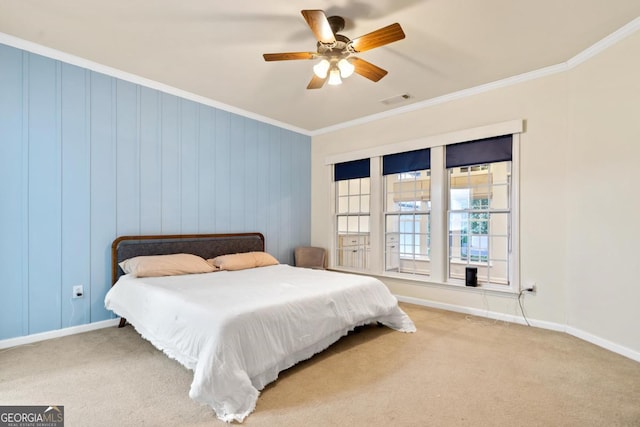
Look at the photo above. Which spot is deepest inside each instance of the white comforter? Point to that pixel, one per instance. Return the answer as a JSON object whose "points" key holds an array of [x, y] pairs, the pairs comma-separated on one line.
{"points": [[237, 330]]}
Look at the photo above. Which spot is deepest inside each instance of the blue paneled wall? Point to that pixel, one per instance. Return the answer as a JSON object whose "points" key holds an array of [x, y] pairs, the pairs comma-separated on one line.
{"points": [[85, 157]]}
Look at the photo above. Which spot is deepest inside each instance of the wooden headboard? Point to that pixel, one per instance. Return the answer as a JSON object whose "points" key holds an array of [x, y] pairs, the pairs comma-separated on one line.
{"points": [[203, 245]]}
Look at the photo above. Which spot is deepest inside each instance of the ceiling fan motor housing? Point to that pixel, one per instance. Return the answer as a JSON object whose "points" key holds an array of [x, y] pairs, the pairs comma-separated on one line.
{"points": [[336, 23]]}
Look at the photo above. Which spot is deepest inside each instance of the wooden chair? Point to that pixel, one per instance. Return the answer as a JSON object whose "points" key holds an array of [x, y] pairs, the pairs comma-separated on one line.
{"points": [[309, 257]]}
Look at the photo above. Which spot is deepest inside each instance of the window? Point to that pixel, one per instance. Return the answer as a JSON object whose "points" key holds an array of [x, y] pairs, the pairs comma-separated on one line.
{"points": [[407, 207], [353, 190], [429, 213], [480, 209]]}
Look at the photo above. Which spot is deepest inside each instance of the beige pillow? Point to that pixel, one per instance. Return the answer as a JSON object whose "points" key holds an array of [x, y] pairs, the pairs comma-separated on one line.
{"points": [[264, 259], [242, 261], [165, 265]]}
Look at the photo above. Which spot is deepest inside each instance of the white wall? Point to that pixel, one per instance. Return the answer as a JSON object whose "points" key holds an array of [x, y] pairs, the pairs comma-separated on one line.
{"points": [[603, 198], [556, 187]]}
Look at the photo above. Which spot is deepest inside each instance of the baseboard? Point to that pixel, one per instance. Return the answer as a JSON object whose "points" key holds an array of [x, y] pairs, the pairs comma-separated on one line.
{"points": [[585, 336], [28, 339], [578, 333], [601, 342]]}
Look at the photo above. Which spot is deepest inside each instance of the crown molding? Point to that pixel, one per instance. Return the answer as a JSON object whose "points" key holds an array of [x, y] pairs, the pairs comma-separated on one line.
{"points": [[605, 43], [133, 78], [598, 47], [580, 58]]}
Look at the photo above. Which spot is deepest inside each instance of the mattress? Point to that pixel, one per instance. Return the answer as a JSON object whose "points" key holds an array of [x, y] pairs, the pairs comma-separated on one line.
{"points": [[238, 329]]}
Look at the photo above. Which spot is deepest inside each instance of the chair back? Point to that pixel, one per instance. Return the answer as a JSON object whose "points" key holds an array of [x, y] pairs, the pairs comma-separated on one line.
{"points": [[309, 256]]}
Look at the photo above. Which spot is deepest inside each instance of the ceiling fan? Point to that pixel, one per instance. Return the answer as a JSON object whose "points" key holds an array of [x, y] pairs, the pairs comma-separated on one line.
{"points": [[336, 51]]}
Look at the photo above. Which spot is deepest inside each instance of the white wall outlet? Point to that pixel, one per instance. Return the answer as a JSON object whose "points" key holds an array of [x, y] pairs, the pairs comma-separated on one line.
{"points": [[531, 287], [78, 292]]}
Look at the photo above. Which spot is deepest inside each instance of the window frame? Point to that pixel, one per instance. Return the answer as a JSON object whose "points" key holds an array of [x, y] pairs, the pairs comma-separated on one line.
{"points": [[490, 212], [411, 256], [439, 205]]}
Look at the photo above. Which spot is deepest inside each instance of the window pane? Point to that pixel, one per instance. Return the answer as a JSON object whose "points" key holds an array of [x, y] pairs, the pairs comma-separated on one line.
{"points": [[364, 204], [343, 188], [365, 185], [392, 224], [354, 186], [500, 197], [499, 248], [499, 272], [501, 172], [353, 224], [342, 224], [363, 224], [499, 224], [459, 198], [354, 204], [343, 204], [392, 205]]}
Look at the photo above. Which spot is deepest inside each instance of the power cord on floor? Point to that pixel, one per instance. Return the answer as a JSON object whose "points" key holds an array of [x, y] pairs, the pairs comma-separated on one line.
{"points": [[486, 320], [520, 298]]}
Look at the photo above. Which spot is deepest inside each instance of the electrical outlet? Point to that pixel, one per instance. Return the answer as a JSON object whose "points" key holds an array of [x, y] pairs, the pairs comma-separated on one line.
{"points": [[78, 292], [531, 287]]}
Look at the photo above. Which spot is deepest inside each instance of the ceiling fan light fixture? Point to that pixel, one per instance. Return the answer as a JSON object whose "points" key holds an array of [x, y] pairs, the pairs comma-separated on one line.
{"points": [[346, 68], [321, 69], [334, 77]]}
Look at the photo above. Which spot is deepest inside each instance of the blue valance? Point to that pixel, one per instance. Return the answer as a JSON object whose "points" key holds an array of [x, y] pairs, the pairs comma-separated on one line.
{"points": [[351, 170], [406, 162], [487, 150]]}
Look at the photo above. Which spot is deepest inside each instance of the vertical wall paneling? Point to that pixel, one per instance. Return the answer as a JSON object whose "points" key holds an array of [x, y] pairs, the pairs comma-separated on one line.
{"points": [[301, 170], [44, 214], [11, 195], [189, 167], [251, 208], [85, 157], [237, 172], [103, 189], [273, 212], [150, 162], [223, 175], [25, 193], [262, 186], [76, 191], [287, 220], [206, 176], [170, 168], [128, 159]]}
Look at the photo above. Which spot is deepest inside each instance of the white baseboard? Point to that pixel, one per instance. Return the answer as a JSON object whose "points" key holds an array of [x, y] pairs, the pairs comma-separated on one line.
{"points": [[601, 342], [578, 333], [585, 336], [28, 339]]}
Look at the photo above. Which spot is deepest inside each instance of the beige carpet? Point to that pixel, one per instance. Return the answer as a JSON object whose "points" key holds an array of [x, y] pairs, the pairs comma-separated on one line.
{"points": [[456, 370]]}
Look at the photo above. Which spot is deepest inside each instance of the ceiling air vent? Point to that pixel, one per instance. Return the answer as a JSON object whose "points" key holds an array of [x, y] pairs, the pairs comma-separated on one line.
{"points": [[396, 99]]}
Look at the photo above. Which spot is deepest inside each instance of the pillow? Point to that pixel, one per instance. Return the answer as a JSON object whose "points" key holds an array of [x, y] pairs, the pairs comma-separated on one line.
{"points": [[242, 261], [264, 259], [165, 265]]}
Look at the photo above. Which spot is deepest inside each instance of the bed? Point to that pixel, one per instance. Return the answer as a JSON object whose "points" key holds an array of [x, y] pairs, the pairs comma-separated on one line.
{"points": [[236, 330]]}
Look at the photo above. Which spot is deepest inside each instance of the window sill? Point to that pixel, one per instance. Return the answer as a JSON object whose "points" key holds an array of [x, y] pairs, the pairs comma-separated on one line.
{"points": [[471, 263], [425, 280], [415, 258]]}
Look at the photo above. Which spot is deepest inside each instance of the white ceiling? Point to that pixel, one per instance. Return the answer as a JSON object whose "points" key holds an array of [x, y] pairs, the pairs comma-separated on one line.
{"points": [[214, 48]]}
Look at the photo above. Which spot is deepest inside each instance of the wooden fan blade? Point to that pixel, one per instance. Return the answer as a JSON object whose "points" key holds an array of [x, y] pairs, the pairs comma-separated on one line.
{"points": [[316, 82], [319, 24], [367, 69], [287, 56], [386, 35]]}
